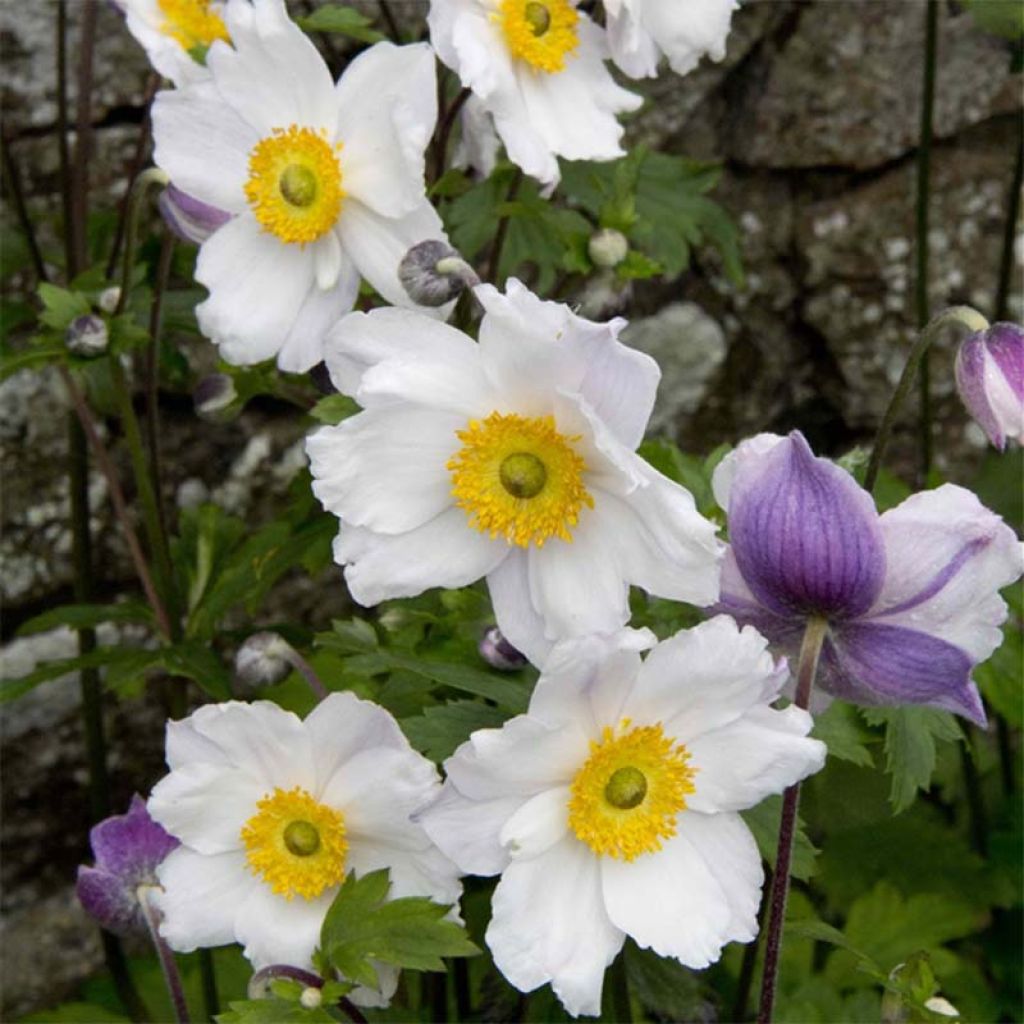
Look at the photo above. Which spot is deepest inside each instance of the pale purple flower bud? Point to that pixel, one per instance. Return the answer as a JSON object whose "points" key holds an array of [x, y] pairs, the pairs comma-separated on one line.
{"points": [[607, 247], [433, 273], [128, 849], [262, 661], [87, 336], [498, 652], [213, 397], [990, 379], [189, 218], [109, 298]]}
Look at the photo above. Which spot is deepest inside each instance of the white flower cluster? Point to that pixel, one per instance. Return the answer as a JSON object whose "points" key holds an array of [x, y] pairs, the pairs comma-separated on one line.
{"points": [[610, 809]]}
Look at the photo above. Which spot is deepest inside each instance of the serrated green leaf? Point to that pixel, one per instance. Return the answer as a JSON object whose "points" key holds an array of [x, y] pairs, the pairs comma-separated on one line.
{"points": [[333, 409], [345, 20], [763, 820], [61, 306], [439, 730], [86, 616], [840, 728], [665, 987], [349, 636], [810, 928], [199, 663], [910, 736]]}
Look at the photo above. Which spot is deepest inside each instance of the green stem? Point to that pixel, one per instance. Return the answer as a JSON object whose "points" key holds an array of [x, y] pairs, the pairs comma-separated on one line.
{"points": [[208, 976], [810, 650], [1006, 259], [152, 372], [152, 178], [975, 801], [16, 194], [965, 315], [924, 162]]}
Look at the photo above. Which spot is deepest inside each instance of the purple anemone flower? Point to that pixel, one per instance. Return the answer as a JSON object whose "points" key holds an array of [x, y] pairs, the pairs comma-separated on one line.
{"points": [[911, 597], [128, 848], [990, 379]]}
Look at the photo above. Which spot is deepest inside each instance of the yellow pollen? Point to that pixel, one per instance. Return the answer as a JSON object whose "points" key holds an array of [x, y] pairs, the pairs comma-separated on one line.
{"points": [[519, 478], [540, 32], [191, 23], [627, 796], [294, 185], [296, 845]]}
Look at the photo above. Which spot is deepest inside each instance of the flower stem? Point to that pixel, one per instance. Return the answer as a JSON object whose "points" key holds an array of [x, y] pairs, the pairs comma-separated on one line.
{"points": [[208, 974], [168, 964], [463, 1003], [965, 315], [1006, 258], [152, 371], [445, 129], [924, 163], [303, 667], [151, 178], [810, 650], [16, 193]]}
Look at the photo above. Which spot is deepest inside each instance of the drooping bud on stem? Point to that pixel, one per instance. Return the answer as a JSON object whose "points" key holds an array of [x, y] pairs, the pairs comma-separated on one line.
{"points": [[433, 273], [87, 336]]}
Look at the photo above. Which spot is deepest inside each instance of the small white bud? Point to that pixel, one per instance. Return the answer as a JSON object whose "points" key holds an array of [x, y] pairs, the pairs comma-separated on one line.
{"points": [[941, 1006], [607, 247], [262, 661], [109, 298], [87, 336], [311, 997]]}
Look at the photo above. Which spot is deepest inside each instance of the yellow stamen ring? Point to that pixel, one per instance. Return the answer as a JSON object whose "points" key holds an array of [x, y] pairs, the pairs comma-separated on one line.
{"points": [[542, 33], [294, 185], [627, 796], [295, 844], [519, 478], [191, 23]]}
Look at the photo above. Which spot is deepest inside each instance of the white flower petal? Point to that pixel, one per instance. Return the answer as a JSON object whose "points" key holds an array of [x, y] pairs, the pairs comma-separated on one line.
{"points": [[518, 619], [686, 32], [704, 678], [200, 897], [327, 261], [385, 469], [387, 108], [144, 20], [536, 826], [257, 286], [669, 901], [445, 552], [276, 930], [206, 805], [549, 924], [947, 556], [203, 145], [759, 754], [185, 745]]}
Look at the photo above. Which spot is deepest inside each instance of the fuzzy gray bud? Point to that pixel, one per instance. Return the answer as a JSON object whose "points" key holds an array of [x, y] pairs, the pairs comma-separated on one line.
{"points": [[433, 273], [87, 336], [607, 247], [498, 652], [213, 397], [262, 661]]}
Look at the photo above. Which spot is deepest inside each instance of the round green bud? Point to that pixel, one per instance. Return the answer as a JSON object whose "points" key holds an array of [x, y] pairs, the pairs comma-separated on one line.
{"points": [[523, 475], [626, 788], [298, 185], [302, 838]]}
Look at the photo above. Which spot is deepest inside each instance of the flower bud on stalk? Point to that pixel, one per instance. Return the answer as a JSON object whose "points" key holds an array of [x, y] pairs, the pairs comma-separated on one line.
{"points": [[87, 336], [990, 379], [607, 247], [262, 660], [433, 273], [109, 298]]}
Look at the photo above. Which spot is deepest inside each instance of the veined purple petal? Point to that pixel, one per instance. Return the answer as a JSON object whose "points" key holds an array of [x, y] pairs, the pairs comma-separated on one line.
{"points": [[107, 900], [189, 218], [805, 536], [990, 379], [866, 663]]}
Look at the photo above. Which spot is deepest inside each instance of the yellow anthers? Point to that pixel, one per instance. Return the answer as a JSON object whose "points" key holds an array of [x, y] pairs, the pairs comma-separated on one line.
{"points": [[191, 23], [540, 32], [519, 478], [294, 185], [296, 845], [627, 796]]}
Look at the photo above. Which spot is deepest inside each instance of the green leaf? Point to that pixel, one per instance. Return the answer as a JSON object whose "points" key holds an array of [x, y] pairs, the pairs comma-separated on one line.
{"points": [[665, 987], [272, 1011], [910, 736], [102, 657], [1000, 17], [840, 728], [440, 729], [810, 928], [86, 616], [1000, 678], [763, 820], [350, 636], [333, 409], [60, 306], [75, 1013], [637, 267], [345, 20], [199, 663], [363, 925]]}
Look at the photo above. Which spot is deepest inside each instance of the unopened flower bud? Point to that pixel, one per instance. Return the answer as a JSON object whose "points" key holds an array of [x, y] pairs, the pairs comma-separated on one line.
{"points": [[87, 336], [941, 1006], [498, 652], [214, 396], [262, 661], [433, 273], [990, 379], [189, 218], [128, 848], [607, 247], [311, 997], [109, 298]]}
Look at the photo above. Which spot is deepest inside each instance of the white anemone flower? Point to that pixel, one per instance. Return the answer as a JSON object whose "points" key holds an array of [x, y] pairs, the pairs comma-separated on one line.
{"points": [[537, 66], [640, 31], [610, 809], [176, 34], [513, 459], [324, 183], [272, 812]]}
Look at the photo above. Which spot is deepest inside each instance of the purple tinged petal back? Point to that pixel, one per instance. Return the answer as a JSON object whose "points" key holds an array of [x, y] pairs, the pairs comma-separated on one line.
{"points": [[990, 379], [805, 536]]}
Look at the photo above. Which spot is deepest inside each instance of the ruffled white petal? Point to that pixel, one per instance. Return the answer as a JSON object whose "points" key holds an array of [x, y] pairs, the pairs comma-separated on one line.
{"points": [[536, 826], [385, 469], [201, 896], [947, 557], [757, 755], [257, 286], [704, 678], [549, 924], [445, 552], [387, 108], [275, 930], [144, 20], [520, 622]]}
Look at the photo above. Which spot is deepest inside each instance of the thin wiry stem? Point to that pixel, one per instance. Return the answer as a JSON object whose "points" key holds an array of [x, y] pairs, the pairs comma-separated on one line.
{"points": [[1006, 258], [16, 194], [168, 965]]}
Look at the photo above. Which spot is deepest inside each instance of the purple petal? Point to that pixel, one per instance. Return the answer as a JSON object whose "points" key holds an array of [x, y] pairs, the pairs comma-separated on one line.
{"points": [[107, 900], [805, 536], [871, 664], [990, 379], [1006, 346], [189, 218], [131, 845]]}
